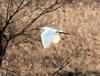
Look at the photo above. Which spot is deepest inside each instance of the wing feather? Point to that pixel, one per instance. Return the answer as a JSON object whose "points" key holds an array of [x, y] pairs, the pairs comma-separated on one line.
{"points": [[47, 37]]}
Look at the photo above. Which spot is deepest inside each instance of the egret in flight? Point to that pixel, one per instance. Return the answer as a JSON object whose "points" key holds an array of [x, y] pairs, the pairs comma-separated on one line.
{"points": [[50, 35]]}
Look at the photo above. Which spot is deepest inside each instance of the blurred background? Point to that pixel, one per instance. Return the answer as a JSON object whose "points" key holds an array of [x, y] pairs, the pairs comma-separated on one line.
{"points": [[78, 53]]}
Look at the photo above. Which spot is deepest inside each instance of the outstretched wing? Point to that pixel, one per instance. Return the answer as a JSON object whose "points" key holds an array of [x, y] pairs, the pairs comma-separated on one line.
{"points": [[47, 37]]}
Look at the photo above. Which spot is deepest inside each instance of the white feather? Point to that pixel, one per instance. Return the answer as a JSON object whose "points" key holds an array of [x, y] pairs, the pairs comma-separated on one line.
{"points": [[49, 35]]}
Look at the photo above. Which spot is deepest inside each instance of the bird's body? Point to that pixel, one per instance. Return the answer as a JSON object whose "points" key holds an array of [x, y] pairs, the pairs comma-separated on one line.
{"points": [[56, 38], [49, 35]]}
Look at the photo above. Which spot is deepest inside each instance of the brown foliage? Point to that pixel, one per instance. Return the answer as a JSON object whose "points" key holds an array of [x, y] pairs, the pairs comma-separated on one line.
{"points": [[25, 55]]}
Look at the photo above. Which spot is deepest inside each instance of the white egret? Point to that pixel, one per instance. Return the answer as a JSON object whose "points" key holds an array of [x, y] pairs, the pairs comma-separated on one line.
{"points": [[49, 35]]}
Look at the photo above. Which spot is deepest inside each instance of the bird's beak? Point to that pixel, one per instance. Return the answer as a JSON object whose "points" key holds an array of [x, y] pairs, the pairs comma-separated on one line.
{"points": [[64, 33]]}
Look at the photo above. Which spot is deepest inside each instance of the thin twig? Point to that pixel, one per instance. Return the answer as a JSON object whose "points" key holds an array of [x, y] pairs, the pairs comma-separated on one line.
{"points": [[13, 21], [67, 60], [26, 4], [17, 10], [7, 14]]}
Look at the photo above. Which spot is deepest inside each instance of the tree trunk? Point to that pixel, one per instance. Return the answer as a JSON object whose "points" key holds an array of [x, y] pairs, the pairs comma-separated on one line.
{"points": [[1, 47]]}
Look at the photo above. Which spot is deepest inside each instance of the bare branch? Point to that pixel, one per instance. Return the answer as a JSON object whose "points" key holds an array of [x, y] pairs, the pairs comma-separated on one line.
{"points": [[8, 7], [17, 10], [75, 52], [47, 10], [37, 28], [67, 61], [26, 4], [13, 21]]}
